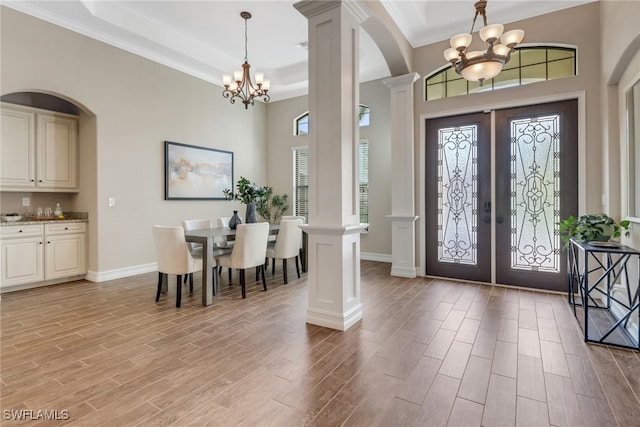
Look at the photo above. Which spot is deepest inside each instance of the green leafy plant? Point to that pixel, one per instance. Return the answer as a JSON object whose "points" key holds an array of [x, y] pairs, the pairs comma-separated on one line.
{"points": [[247, 192], [268, 205], [272, 206], [591, 227]]}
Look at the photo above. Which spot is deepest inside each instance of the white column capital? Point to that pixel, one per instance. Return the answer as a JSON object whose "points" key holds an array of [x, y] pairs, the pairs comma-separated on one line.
{"points": [[311, 8], [401, 81]]}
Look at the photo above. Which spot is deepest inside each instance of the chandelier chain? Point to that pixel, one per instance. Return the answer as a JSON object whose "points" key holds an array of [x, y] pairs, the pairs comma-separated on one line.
{"points": [[246, 55]]}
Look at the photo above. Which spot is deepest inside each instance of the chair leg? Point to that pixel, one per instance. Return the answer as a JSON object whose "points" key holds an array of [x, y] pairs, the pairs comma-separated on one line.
{"points": [[242, 284], [190, 282], [297, 267], [257, 273], [179, 292], [159, 286], [273, 266], [284, 271], [185, 278], [229, 277], [264, 282]]}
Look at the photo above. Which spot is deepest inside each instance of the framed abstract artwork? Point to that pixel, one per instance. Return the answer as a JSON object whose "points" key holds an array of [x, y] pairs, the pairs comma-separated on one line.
{"points": [[196, 173]]}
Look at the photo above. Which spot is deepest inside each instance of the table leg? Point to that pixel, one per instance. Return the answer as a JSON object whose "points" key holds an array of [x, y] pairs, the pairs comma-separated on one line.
{"points": [[207, 274], [304, 257]]}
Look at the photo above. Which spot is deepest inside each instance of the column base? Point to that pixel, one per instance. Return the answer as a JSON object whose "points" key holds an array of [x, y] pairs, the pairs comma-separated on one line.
{"points": [[334, 276], [403, 245], [334, 320]]}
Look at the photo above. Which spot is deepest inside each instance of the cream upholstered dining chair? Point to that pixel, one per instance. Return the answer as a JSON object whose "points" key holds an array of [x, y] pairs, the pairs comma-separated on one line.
{"points": [[290, 217], [287, 245], [221, 241], [248, 251], [174, 257], [195, 224]]}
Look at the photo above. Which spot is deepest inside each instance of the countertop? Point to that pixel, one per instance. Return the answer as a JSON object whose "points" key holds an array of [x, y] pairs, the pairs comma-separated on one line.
{"points": [[31, 220]]}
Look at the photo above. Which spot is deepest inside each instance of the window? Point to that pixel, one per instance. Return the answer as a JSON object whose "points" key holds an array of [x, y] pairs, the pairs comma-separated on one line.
{"points": [[527, 65], [363, 166], [301, 123], [363, 115], [301, 181]]}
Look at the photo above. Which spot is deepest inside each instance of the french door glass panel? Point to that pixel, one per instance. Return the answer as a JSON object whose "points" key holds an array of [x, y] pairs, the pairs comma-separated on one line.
{"points": [[535, 193], [457, 194]]}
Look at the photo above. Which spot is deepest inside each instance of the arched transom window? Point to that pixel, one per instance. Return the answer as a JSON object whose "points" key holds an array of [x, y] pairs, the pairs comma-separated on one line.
{"points": [[527, 65], [301, 123]]}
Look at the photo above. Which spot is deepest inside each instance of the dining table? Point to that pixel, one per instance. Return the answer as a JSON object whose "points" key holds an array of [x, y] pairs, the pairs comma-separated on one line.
{"points": [[206, 237]]}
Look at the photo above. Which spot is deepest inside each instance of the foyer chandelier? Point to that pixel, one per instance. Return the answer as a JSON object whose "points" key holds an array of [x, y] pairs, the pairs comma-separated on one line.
{"points": [[242, 87], [482, 65]]}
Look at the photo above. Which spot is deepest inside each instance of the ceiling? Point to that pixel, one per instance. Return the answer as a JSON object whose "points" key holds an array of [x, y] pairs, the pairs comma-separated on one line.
{"points": [[205, 38]]}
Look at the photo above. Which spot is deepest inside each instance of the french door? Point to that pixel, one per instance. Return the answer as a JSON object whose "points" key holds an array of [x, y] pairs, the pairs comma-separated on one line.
{"points": [[492, 214]]}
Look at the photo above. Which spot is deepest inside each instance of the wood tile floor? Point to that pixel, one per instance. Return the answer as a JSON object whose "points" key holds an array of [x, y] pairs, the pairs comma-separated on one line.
{"points": [[427, 353]]}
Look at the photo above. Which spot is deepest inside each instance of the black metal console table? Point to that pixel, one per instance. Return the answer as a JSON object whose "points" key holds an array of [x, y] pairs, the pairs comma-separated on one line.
{"points": [[604, 286]]}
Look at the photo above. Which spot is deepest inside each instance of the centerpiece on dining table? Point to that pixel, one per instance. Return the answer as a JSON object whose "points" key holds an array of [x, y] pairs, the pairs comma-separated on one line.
{"points": [[258, 199]]}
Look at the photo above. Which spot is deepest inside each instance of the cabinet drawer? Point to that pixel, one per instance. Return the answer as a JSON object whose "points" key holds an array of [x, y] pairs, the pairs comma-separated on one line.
{"points": [[65, 227], [20, 231]]}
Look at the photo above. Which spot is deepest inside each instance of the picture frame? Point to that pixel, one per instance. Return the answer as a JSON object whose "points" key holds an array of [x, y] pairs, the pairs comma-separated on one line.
{"points": [[196, 173]]}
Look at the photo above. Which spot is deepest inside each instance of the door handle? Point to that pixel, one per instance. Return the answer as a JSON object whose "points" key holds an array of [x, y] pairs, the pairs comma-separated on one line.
{"points": [[499, 220], [487, 206]]}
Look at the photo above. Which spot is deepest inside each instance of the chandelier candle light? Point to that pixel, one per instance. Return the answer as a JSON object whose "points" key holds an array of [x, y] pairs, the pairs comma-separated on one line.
{"points": [[482, 65], [242, 87]]}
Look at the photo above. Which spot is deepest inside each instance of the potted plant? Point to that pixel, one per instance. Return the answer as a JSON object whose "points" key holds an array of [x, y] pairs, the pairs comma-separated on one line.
{"points": [[261, 199], [272, 206], [592, 227]]}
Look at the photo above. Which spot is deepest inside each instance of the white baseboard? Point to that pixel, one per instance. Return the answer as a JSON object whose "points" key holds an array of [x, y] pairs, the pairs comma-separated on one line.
{"points": [[369, 256], [119, 273], [404, 272]]}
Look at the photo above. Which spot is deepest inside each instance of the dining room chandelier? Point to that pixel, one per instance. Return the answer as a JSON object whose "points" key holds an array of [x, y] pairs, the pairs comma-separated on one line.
{"points": [[242, 87], [482, 65]]}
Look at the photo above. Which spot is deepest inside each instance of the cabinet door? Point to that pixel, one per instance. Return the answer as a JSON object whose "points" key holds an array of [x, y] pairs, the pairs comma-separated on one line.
{"points": [[57, 151], [22, 261], [65, 256], [17, 149]]}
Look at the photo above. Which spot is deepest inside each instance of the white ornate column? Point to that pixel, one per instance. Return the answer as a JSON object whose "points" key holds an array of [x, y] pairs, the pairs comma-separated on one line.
{"points": [[403, 218], [334, 218]]}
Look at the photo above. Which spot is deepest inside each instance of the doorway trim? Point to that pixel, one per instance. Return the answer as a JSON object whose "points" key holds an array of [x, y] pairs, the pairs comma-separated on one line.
{"points": [[420, 187]]}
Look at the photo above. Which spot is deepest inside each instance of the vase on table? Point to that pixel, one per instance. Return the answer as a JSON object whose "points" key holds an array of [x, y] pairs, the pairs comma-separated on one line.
{"points": [[234, 220], [251, 214]]}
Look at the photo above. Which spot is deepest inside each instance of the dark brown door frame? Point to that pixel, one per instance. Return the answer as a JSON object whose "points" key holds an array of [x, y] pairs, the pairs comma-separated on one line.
{"points": [[568, 111]]}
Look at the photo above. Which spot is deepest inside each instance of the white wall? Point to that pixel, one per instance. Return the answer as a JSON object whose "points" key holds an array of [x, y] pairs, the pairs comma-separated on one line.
{"points": [[130, 107]]}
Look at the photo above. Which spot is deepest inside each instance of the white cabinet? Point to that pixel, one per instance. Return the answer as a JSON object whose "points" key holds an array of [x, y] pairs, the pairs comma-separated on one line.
{"points": [[65, 250], [18, 148], [22, 254], [42, 253], [38, 150]]}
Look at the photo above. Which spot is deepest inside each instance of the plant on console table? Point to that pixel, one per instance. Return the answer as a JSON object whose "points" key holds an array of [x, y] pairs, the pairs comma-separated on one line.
{"points": [[592, 227]]}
